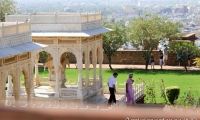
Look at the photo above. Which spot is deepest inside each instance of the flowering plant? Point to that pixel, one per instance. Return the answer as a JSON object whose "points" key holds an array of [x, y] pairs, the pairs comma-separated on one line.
{"points": [[150, 92], [162, 91], [188, 99]]}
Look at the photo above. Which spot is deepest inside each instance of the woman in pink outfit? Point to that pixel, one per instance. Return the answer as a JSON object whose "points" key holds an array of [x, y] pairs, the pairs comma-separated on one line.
{"points": [[129, 90]]}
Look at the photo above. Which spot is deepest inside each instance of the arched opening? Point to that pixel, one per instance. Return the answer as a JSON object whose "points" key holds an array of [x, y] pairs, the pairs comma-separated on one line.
{"points": [[9, 90], [43, 68], [68, 74], [23, 81]]}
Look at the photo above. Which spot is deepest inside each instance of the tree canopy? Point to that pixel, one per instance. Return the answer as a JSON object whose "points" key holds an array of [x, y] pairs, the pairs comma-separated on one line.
{"points": [[148, 30], [113, 40], [182, 48], [7, 6]]}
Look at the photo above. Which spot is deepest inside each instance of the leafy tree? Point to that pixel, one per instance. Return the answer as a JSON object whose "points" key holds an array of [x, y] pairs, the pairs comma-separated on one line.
{"points": [[148, 30], [113, 40], [6, 6], [171, 29], [181, 48], [43, 56]]}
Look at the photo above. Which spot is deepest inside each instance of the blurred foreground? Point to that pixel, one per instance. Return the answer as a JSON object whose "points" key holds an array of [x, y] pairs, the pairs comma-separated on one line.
{"points": [[129, 113]]}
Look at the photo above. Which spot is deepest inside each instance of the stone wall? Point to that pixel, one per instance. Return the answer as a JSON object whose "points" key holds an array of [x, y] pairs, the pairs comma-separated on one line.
{"points": [[135, 58], [132, 57]]}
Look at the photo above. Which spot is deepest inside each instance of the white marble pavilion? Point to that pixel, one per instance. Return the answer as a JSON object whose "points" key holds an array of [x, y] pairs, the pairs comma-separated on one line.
{"points": [[78, 33]]}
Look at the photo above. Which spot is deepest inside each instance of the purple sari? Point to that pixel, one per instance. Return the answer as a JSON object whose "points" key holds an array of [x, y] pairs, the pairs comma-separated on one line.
{"points": [[130, 93]]}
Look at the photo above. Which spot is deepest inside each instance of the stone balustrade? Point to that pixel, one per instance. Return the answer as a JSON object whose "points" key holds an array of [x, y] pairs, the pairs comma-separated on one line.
{"points": [[14, 33], [60, 22], [12, 29]]}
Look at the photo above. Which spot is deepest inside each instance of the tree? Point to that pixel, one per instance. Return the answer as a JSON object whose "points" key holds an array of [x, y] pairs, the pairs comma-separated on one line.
{"points": [[113, 40], [148, 30], [7, 6], [181, 48]]}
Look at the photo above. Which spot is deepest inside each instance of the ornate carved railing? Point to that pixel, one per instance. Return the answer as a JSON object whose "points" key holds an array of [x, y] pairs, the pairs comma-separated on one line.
{"points": [[69, 92], [120, 89]]}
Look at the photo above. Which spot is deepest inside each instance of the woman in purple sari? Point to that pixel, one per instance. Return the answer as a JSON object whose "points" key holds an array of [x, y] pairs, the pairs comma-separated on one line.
{"points": [[129, 90]]}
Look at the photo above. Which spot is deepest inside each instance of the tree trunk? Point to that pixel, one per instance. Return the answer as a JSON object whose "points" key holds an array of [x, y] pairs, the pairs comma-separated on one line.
{"points": [[109, 61], [146, 65], [185, 68], [110, 66]]}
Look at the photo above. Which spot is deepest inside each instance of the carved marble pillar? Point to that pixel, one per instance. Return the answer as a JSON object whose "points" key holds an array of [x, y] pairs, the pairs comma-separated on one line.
{"points": [[87, 63], [16, 87], [94, 62], [36, 70], [80, 68], [31, 79], [2, 88], [29, 85], [10, 86], [56, 68], [80, 82], [100, 64]]}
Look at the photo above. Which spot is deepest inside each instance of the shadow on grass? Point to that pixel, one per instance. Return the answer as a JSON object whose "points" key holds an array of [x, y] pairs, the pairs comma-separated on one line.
{"points": [[154, 72], [139, 71]]}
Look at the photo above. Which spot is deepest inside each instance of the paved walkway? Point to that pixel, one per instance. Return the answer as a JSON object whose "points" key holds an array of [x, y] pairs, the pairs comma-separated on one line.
{"points": [[128, 66]]}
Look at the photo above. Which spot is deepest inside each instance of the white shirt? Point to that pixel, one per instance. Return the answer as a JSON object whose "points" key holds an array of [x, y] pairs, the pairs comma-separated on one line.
{"points": [[111, 81]]}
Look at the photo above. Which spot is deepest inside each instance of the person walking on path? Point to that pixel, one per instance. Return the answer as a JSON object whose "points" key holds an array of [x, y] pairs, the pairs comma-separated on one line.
{"points": [[179, 58], [112, 88], [165, 57], [161, 59], [152, 61], [129, 90]]}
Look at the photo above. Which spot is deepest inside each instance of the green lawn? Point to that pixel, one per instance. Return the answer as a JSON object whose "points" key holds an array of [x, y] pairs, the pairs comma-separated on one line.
{"points": [[171, 78]]}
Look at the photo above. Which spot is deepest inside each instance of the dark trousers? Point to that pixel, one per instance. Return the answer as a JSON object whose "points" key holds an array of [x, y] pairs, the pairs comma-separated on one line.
{"points": [[112, 96]]}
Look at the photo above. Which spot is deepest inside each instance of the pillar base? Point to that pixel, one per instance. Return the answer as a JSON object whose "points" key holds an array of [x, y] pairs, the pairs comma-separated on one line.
{"points": [[32, 94], [57, 95]]}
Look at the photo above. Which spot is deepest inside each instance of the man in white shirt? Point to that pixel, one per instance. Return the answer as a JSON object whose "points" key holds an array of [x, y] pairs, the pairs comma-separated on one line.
{"points": [[111, 84], [165, 52]]}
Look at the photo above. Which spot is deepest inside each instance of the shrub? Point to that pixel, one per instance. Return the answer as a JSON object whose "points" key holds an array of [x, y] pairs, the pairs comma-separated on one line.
{"points": [[172, 93]]}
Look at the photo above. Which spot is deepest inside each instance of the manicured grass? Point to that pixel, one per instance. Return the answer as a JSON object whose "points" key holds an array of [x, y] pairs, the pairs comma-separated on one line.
{"points": [[171, 78]]}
